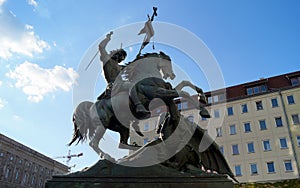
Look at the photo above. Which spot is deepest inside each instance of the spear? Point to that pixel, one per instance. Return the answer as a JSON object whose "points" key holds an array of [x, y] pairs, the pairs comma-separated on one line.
{"points": [[91, 60]]}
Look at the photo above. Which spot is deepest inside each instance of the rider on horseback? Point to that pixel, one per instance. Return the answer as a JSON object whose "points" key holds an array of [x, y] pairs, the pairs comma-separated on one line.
{"points": [[112, 69]]}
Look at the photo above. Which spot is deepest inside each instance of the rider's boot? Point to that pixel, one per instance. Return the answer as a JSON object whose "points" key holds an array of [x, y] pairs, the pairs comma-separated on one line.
{"points": [[202, 99], [136, 127], [140, 109], [204, 113]]}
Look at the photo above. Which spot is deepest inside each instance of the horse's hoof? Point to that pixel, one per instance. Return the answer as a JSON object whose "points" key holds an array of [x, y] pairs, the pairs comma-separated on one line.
{"points": [[204, 113], [139, 133], [130, 147]]}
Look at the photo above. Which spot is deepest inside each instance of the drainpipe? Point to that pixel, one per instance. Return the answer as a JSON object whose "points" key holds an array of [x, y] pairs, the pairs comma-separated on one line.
{"points": [[289, 131]]}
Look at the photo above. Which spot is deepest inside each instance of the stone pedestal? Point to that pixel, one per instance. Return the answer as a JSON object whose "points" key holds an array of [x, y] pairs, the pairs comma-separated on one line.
{"points": [[215, 181], [106, 174]]}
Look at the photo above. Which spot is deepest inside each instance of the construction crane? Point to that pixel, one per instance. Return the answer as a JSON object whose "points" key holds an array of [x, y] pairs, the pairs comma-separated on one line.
{"points": [[69, 157]]}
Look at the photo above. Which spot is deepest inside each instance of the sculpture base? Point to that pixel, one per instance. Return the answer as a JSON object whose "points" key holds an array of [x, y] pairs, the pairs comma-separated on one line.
{"points": [[142, 182], [107, 174]]}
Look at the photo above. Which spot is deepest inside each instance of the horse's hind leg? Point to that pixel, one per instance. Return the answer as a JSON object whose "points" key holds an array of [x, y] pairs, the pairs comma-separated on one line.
{"points": [[94, 143]]}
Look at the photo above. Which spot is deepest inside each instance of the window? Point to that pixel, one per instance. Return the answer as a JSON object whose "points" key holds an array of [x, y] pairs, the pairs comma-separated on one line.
{"points": [[219, 131], [222, 149], [253, 168], [295, 81], [216, 98], [209, 100], [7, 173], [146, 127], [17, 175], [274, 103], [266, 145], [235, 149], [244, 108], [262, 124], [179, 106], [247, 127], [290, 99], [145, 141], [298, 140], [256, 89], [250, 147], [238, 170], [184, 105], [295, 118], [230, 111], [217, 113], [249, 91], [232, 129], [271, 167], [288, 165], [283, 143], [259, 105], [191, 118], [25, 178], [278, 122]]}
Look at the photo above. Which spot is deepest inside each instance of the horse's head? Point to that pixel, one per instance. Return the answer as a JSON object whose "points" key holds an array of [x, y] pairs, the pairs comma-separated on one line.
{"points": [[150, 65], [165, 65]]}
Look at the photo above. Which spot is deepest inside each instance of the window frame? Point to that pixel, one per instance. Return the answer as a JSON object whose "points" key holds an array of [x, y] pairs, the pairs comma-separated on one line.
{"points": [[251, 169], [238, 168], [235, 149], [230, 111], [295, 117], [244, 108], [290, 99], [252, 145], [259, 105], [247, 125], [231, 128], [286, 143], [273, 167], [276, 103], [285, 162], [276, 122], [260, 124], [269, 144]]}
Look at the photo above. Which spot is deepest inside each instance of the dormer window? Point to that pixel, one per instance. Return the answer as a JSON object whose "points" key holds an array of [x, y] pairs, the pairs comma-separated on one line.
{"points": [[256, 89], [295, 81]]}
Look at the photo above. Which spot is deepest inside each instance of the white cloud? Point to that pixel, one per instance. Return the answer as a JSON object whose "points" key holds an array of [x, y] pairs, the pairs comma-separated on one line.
{"points": [[17, 118], [1, 83], [1, 2], [32, 2], [2, 103], [18, 38], [36, 82]]}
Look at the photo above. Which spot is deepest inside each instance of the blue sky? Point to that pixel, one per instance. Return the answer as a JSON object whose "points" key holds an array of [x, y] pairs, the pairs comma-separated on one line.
{"points": [[43, 42]]}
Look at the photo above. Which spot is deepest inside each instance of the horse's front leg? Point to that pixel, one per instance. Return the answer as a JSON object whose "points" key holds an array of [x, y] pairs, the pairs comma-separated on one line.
{"points": [[201, 95]]}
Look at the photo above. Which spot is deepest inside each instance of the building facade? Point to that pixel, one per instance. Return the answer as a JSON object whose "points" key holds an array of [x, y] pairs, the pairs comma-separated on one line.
{"points": [[22, 167], [256, 125]]}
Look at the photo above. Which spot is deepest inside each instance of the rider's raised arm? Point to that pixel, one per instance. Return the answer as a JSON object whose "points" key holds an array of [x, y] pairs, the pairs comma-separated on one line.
{"points": [[104, 56]]}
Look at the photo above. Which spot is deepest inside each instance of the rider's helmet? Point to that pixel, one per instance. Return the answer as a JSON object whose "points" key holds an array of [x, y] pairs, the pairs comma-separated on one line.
{"points": [[119, 55]]}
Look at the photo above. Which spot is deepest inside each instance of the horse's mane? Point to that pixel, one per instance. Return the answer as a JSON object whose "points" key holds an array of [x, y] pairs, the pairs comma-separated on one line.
{"points": [[129, 70]]}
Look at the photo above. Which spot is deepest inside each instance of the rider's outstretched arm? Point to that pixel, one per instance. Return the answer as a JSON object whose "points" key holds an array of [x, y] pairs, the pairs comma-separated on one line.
{"points": [[104, 57]]}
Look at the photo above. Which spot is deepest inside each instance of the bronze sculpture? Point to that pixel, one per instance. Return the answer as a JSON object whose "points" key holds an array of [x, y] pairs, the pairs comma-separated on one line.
{"points": [[139, 82]]}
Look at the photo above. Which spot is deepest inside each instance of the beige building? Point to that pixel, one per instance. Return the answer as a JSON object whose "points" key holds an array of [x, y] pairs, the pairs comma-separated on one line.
{"points": [[22, 167], [256, 125]]}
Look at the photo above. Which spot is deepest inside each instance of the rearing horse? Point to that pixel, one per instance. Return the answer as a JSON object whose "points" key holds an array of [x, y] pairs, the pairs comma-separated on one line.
{"points": [[144, 77]]}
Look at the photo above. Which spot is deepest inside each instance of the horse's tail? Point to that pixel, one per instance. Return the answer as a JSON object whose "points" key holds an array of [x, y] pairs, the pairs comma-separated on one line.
{"points": [[76, 134]]}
